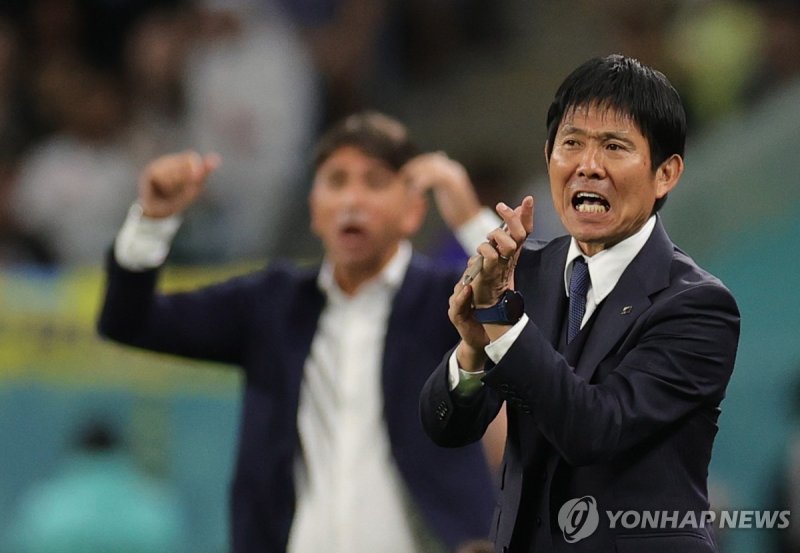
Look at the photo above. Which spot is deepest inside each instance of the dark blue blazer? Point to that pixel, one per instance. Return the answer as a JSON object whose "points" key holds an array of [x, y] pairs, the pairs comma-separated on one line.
{"points": [[265, 322], [629, 419]]}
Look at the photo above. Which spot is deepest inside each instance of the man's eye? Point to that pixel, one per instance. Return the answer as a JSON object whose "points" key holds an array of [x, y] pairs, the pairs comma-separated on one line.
{"points": [[377, 181], [336, 180], [614, 147]]}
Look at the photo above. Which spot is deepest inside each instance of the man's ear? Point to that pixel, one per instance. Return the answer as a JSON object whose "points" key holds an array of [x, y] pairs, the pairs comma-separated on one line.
{"points": [[546, 155], [668, 174], [312, 212]]}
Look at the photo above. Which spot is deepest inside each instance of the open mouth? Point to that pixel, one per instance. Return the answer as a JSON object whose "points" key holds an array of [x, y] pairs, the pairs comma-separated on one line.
{"points": [[590, 202], [350, 231]]}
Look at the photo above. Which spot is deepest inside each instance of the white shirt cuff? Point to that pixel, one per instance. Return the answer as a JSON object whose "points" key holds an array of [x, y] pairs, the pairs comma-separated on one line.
{"points": [[143, 242], [473, 232], [456, 375], [496, 350]]}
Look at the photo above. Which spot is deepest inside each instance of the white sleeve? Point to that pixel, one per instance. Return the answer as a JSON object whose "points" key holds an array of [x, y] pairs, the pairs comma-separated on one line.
{"points": [[497, 349], [462, 382], [473, 232], [143, 242]]}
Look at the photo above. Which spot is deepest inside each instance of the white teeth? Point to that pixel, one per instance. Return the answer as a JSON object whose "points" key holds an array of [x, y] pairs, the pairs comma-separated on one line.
{"points": [[591, 208], [590, 195]]}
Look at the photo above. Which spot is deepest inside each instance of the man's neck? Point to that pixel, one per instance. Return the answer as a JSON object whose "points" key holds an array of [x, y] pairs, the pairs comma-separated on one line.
{"points": [[350, 278]]}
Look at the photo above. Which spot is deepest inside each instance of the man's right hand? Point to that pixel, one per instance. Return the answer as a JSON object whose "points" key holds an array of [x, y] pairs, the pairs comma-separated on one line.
{"points": [[170, 183]]}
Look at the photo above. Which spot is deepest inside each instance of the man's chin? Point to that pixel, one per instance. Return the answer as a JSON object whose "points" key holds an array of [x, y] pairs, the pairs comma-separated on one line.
{"points": [[354, 260], [584, 232]]}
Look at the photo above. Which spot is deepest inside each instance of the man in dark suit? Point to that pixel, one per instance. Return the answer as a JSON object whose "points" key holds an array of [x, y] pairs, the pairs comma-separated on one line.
{"points": [[331, 453], [615, 367]]}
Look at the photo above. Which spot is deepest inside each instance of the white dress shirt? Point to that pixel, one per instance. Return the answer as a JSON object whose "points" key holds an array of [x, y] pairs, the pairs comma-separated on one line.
{"points": [[351, 497]]}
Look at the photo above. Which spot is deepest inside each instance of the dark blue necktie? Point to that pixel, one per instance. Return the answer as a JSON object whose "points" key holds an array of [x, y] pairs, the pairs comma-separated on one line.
{"points": [[578, 286]]}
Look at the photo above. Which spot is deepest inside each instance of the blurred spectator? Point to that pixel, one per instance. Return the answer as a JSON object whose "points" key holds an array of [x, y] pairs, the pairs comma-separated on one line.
{"points": [[16, 246], [712, 49], [715, 48], [77, 171], [342, 36], [51, 33], [97, 502], [246, 90], [76, 184], [15, 128], [154, 63], [367, 52], [779, 62], [251, 97], [637, 29]]}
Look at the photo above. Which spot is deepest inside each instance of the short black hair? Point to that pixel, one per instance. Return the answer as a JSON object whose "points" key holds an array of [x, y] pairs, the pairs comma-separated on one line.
{"points": [[633, 89], [374, 133]]}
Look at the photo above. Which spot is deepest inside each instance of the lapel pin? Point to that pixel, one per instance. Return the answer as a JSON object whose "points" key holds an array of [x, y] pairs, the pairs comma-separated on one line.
{"points": [[627, 309]]}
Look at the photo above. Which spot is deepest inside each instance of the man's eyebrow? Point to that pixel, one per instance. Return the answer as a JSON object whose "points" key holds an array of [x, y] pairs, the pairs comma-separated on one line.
{"points": [[569, 129]]}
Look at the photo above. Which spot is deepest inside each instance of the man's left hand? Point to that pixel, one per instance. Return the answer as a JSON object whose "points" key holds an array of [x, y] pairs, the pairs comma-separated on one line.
{"points": [[500, 253], [452, 188]]}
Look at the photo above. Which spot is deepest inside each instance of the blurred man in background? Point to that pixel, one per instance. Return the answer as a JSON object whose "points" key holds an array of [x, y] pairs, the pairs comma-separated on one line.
{"points": [[98, 501], [331, 454]]}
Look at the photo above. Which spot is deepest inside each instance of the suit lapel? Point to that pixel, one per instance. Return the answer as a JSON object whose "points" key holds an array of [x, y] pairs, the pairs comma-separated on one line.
{"points": [[302, 321], [407, 305], [647, 274], [402, 376], [541, 280]]}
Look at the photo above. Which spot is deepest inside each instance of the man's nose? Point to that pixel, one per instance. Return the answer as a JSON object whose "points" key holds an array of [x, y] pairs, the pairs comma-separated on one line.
{"points": [[591, 163], [352, 194]]}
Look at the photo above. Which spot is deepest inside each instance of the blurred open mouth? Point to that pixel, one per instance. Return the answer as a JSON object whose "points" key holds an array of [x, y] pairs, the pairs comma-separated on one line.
{"points": [[590, 202], [351, 231]]}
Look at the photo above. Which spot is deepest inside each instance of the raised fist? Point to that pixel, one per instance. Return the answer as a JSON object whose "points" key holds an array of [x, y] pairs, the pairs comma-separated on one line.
{"points": [[170, 183]]}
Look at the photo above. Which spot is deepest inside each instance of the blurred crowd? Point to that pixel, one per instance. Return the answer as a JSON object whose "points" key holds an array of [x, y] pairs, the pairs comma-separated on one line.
{"points": [[92, 89]]}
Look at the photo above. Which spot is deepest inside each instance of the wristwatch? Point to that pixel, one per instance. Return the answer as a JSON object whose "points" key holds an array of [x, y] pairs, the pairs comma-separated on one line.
{"points": [[507, 311]]}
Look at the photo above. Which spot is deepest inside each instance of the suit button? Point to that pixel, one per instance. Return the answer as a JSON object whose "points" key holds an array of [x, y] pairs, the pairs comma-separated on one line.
{"points": [[441, 411], [538, 521], [544, 476], [505, 388]]}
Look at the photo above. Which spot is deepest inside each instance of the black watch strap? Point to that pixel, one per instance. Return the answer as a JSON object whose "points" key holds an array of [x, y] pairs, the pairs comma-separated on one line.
{"points": [[507, 311]]}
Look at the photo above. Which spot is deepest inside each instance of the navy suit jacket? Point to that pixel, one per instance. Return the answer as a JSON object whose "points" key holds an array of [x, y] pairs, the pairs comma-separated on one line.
{"points": [[265, 322], [629, 420]]}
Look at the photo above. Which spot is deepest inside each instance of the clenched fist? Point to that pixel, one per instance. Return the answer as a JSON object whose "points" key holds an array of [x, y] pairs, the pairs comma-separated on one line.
{"points": [[170, 183]]}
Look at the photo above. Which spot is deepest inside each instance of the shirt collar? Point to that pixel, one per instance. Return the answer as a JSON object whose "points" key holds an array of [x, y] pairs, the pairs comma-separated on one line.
{"points": [[606, 267], [391, 275]]}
